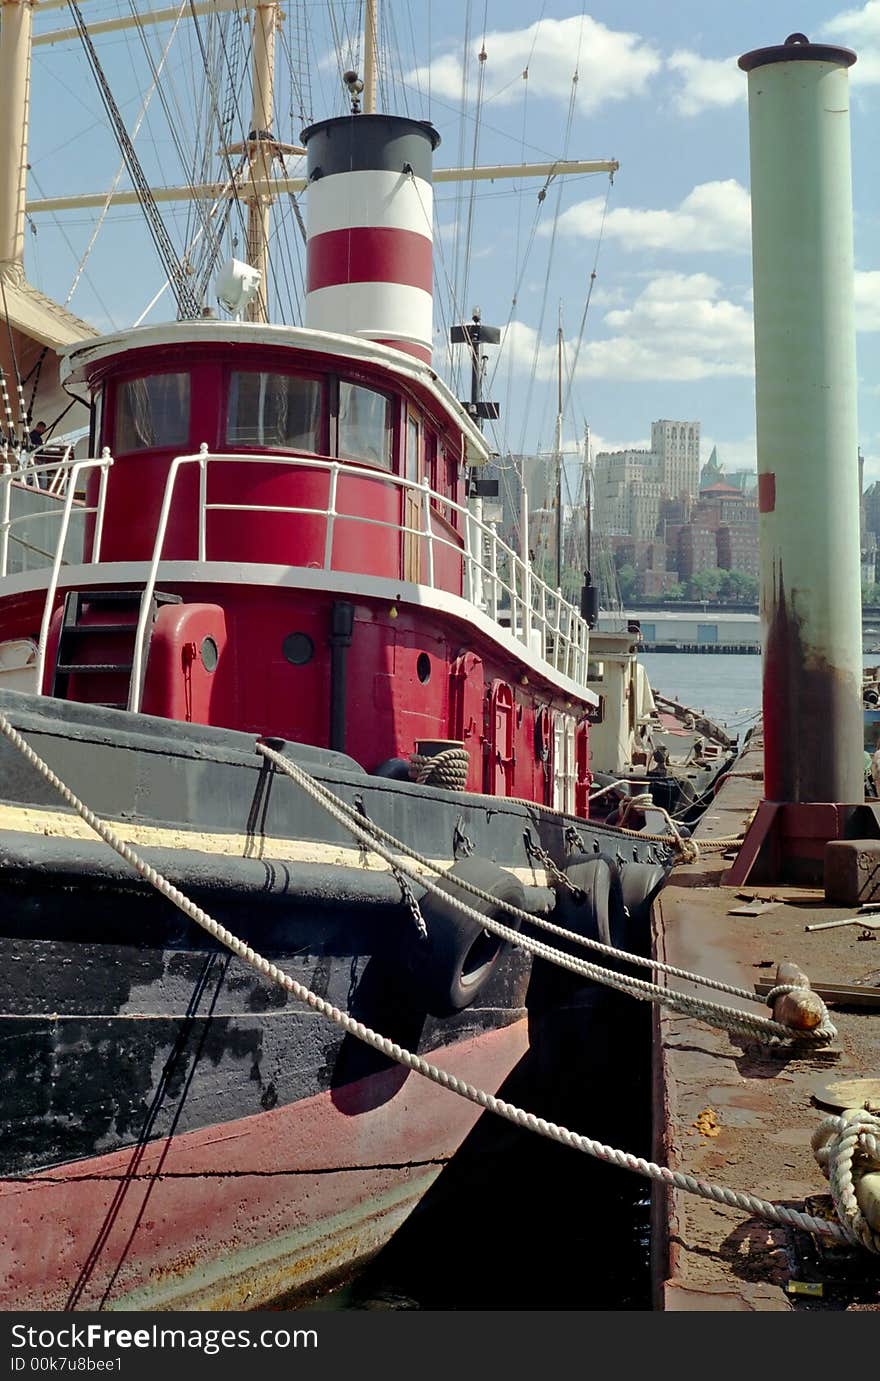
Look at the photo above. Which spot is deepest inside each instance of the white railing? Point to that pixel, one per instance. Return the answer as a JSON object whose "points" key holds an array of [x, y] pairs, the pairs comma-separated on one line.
{"points": [[496, 578], [47, 468]]}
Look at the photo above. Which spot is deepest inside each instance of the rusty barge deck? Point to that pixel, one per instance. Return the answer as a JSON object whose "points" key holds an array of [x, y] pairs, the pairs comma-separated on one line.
{"points": [[734, 1112]]}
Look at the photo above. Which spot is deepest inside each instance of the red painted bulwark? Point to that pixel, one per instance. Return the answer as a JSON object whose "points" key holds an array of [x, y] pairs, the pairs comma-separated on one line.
{"points": [[375, 254], [233, 1216]]}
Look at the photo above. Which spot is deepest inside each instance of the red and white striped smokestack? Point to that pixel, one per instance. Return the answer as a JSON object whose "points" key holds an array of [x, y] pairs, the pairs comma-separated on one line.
{"points": [[370, 229]]}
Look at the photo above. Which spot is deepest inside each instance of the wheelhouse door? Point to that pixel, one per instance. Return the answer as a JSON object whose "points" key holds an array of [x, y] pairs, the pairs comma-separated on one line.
{"points": [[412, 501]]}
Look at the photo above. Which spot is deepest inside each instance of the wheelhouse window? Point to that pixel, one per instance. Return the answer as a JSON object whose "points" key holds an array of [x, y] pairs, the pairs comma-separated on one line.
{"points": [[278, 412], [152, 413], [364, 425]]}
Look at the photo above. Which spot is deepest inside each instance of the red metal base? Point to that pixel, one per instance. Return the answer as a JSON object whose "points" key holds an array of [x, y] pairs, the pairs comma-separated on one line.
{"points": [[786, 840]]}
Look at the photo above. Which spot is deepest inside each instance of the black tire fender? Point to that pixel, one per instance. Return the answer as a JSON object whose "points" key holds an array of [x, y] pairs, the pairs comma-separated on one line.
{"points": [[456, 961], [640, 883], [596, 908]]}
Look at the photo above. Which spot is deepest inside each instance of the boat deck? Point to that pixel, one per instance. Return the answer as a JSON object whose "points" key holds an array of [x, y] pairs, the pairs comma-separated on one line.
{"points": [[733, 1112]]}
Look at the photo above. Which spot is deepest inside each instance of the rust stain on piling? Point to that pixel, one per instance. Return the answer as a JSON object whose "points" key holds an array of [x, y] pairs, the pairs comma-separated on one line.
{"points": [[813, 738]]}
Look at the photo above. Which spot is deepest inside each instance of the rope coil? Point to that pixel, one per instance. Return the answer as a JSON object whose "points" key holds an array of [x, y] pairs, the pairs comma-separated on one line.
{"points": [[847, 1148], [448, 769]]}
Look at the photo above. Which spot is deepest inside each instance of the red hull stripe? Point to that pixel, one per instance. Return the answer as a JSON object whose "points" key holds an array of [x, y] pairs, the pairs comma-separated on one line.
{"points": [[374, 254], [178, 1218], [408, 348]]}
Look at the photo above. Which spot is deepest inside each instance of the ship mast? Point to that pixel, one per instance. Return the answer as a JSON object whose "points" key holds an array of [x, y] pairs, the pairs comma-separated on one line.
{"points": [[559, 534], [257, 185], [15, 84], [261, 149], [370, 32]]}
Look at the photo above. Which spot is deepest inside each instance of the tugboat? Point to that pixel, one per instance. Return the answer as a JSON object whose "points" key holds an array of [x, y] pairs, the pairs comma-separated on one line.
{"points": [[270, 563]]}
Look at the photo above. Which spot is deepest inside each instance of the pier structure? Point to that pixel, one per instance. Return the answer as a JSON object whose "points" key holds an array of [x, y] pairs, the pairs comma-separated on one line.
{"points": [[805, 366]]}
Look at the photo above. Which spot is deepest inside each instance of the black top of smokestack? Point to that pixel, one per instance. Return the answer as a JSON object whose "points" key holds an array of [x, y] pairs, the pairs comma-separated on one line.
{"points": [[797, 48]]}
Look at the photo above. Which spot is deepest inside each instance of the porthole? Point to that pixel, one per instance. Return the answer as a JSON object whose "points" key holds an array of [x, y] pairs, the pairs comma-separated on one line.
{"points": [[298, 649], [210, 654], [423, 668]]}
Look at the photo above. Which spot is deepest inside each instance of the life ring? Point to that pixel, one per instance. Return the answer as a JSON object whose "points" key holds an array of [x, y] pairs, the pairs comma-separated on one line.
{"points": [[453, 966], [596, 908]]}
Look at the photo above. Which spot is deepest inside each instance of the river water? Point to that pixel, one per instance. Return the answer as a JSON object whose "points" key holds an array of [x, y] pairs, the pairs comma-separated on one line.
{"points": [[726, 687]]}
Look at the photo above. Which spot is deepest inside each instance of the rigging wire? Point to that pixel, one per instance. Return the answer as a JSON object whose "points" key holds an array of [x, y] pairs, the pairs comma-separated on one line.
{"points": [[60, 227], [187, 305], [115, 183], [481, 85], [454, 360]]}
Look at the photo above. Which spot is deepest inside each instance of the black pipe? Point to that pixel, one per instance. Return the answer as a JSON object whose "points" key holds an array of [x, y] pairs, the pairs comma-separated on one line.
{"points": [[341, 626]]}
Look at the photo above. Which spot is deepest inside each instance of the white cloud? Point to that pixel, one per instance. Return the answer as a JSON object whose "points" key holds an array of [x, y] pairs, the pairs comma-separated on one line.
{"points": [[678, 328], [602, 444], [859, 29], [733, 455], [713, 217], [706, 83], [867, 295], [612, 65]]}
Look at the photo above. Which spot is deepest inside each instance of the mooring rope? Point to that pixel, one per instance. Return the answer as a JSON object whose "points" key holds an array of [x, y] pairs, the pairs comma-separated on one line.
{"points": [[727, 1018], [777, 1213]]}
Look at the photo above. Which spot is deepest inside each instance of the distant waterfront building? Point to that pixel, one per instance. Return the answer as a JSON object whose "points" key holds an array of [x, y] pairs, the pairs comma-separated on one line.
{"points": [[739, 549], [697, 551], [871, 504], [616, 472], [677, 448]]}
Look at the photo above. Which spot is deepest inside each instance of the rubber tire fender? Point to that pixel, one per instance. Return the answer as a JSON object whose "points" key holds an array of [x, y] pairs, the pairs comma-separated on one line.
{"points": [[455, 963], [596, 909], [640, 883]]}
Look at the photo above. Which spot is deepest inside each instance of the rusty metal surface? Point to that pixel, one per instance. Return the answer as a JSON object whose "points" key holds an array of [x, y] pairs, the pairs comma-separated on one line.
{"points": [[731, 1111], [812, 711]]}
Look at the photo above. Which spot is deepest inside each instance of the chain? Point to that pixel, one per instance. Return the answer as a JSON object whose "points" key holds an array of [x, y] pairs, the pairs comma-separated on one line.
{"points": [[536, 851], [409, 897]]}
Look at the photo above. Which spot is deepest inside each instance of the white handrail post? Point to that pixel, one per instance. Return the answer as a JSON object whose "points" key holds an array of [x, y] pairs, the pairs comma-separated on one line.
{"points": [[426, 525], [134, 689], [468, 560], [6, 480], [106, 462], [53, 578], [331, 515], [493, 576], [203, 502], [527, 565], [477, 590]]}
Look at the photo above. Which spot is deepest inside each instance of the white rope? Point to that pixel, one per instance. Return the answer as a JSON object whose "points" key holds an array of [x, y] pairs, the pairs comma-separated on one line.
{"points": [[846, 1146], [748, 1203], [728, 1018]]}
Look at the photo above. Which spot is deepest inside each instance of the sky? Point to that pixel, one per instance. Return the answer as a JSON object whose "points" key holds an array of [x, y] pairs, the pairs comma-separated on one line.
{"points": [[667, 327]]}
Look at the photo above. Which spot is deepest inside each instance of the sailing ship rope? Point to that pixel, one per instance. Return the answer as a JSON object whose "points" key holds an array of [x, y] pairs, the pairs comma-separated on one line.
{"points": [[186, 301], [847, 1146], [108, 200]]}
